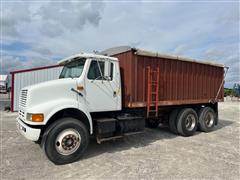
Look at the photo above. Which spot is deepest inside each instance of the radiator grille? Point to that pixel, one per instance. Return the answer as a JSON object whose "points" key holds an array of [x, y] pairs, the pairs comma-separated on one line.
{"points": [[23, 98], [21, 114]]}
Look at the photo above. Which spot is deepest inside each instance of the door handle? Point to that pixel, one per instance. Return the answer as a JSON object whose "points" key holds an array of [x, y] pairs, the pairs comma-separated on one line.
{"points": [[74, 90]]}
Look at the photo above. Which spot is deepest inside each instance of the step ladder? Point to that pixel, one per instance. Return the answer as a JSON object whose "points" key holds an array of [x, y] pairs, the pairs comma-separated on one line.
{"points": [[152, 92]]}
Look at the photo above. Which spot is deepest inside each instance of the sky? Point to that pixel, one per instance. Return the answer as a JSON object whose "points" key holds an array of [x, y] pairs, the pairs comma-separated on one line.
{"points": [[39, 33]]}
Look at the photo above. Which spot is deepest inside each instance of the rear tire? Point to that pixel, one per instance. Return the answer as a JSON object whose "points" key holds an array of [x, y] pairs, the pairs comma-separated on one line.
{"points": [[207, 119], [187, 122], [172, 122], [65, 141]]}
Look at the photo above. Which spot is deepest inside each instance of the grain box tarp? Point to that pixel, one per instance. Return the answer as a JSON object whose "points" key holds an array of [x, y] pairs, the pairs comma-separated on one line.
{"points": [[181, 82]]}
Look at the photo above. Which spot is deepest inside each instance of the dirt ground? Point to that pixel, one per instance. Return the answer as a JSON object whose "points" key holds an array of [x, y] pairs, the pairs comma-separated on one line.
{"points": [[154, 154]]}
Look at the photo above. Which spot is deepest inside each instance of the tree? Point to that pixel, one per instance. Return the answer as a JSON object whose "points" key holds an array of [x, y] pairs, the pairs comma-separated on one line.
{"points": [[227, 92]]}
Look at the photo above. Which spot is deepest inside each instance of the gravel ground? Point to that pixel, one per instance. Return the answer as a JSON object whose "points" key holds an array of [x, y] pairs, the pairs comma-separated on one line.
{"points": [[154, 154], [4, 101]]}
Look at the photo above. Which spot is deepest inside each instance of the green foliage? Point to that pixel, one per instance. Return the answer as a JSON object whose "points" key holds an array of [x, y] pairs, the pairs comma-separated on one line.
{"points": [[227, 92], [235, 91]]}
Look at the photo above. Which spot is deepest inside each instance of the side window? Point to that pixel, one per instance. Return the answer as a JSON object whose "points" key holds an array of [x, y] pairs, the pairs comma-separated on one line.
{"points": [[111, 71], [94, 71]]}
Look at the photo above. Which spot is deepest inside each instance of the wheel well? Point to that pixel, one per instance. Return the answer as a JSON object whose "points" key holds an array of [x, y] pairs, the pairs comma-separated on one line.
{"points": [[69, 112]]}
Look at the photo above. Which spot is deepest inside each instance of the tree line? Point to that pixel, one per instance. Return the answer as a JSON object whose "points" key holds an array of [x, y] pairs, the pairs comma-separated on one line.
{"points": [[235, 91]]}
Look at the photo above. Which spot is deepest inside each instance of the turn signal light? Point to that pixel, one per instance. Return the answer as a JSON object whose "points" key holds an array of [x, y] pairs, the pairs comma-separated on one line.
{"points": [[37, 117]]}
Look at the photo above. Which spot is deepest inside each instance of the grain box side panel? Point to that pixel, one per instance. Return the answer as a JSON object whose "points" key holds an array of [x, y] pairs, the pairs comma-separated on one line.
{"points": [[180, 82], [186, 82]]}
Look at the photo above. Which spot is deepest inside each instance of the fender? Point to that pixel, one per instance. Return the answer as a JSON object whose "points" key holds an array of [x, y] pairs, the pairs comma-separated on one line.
{"points": [[52, 107]]}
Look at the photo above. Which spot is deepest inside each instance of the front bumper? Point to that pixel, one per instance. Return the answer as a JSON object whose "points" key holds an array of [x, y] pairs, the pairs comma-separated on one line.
{"points": [[32, 134]]}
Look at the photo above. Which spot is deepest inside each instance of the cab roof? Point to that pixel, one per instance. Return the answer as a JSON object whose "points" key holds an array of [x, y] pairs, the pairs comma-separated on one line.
{"points": [[85, 55]]}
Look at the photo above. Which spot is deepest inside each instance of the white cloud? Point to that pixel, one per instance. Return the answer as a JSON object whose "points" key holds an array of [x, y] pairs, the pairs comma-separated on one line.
{"points": [[57, 29], [13, 16], [58, 17], [14, 63]]}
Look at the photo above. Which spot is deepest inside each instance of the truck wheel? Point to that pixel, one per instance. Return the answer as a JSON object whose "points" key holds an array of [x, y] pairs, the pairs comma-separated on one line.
{"points": [[187, 121], [65, 141], [152, 123], [207, 119], [172, 122]]}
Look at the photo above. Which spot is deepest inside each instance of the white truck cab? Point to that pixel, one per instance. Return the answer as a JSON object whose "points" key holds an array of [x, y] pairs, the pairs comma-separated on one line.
{"points": [[88, 83]]}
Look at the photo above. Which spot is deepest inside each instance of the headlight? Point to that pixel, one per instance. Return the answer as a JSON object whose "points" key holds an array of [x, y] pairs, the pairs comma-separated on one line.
{"points": [[35, 117]]}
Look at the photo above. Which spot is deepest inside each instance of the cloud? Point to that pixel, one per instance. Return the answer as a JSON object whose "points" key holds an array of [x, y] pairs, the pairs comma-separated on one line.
{"points": [[42, 51], [13, 63], [58, 17], [180, 49], [49, 18], [13, 16], [52, 30]]}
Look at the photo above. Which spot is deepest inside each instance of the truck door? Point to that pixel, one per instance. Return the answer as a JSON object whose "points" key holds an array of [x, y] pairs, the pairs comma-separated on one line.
{"points": [[101, 86]]}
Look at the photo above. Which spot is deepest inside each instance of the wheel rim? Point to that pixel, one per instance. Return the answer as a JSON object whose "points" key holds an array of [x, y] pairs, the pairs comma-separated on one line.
{"points": [[190, 122], [68, 141], [209, 120]]}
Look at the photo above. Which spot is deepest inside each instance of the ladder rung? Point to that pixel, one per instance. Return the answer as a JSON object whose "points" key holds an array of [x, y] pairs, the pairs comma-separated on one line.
{"points": [[154, 104], [154, 85], [152, 111]]}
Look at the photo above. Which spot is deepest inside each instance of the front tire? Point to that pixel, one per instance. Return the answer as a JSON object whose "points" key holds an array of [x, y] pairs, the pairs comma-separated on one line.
{"points": [[65, 141], [187, 122]]}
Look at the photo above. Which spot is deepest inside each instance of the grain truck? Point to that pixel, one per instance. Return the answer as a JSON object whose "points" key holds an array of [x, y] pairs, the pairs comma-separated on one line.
{"points": [[115, 93]]}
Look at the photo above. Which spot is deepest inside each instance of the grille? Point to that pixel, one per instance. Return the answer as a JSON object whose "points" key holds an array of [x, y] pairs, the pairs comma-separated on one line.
{"points": [[21, 114], [23, 98]]}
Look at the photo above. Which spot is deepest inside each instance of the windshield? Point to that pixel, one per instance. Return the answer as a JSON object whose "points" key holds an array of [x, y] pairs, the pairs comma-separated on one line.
{"points": [[73, 69]]}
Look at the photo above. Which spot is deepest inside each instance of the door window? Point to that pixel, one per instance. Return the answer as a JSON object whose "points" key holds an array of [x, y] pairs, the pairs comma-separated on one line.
{"points": [[96, 70], [111, 71]]}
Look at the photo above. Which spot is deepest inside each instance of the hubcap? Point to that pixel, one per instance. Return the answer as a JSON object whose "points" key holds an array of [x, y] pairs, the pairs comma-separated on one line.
{"points": [[209, 120], [68, 141], [190, 122]]}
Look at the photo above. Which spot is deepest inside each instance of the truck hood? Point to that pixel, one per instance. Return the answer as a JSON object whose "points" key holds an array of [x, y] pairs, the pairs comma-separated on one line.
{"points": [[48, 91]]}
